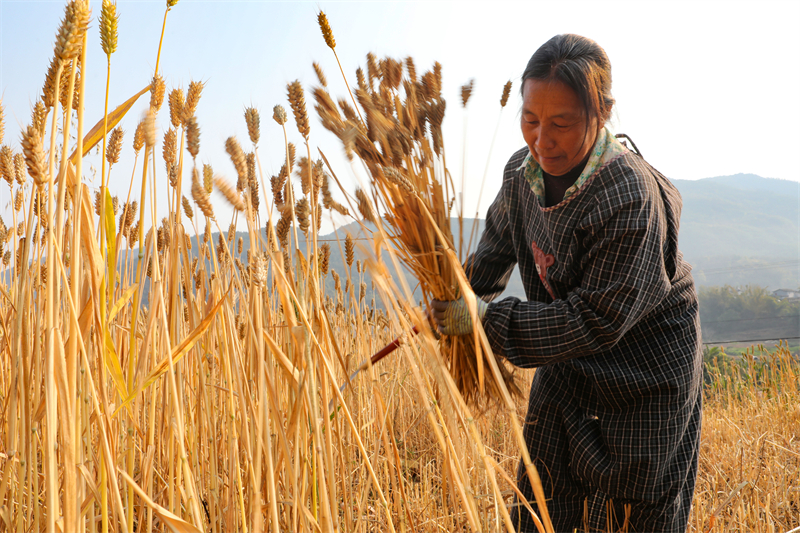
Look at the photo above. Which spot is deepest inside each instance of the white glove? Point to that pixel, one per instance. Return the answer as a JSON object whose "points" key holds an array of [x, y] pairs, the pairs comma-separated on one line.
{"points": [[452, 317]]}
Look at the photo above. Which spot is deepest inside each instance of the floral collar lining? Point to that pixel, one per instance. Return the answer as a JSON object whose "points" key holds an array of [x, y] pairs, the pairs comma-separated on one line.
{"points": [[605, 149]]}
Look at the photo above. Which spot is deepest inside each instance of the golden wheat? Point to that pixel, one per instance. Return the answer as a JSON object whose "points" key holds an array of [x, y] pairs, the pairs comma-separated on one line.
{"points": [[223, 401]]}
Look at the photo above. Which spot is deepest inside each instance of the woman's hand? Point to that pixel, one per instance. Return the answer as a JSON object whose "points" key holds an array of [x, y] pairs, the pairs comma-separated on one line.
{"points": [[452, 317]]}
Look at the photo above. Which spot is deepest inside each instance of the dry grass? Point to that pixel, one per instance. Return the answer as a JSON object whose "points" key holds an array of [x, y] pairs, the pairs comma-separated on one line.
{"points": [[207, 404], [749, 476]]}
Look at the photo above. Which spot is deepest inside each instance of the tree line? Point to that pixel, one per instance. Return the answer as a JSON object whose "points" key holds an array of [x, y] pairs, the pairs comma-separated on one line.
{"points": [[728, 313]]}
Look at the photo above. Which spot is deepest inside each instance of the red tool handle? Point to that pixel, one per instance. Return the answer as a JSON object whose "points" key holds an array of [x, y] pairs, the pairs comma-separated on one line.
{"points": [[386, 350], [389, 348]]}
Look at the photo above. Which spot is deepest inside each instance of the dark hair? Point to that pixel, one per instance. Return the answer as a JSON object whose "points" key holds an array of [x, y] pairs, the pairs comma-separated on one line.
{"points": [[580, 64]]}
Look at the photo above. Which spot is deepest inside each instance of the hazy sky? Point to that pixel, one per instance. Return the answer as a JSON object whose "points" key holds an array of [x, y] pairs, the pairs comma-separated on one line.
{"points": [[704, 88]]}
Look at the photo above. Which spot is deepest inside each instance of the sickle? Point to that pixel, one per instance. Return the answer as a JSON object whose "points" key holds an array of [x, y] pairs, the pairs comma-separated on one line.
{"points": [[377, 356]]}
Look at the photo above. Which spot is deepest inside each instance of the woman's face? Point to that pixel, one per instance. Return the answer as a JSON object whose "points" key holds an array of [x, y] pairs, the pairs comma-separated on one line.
{"points": [[554, 126]]}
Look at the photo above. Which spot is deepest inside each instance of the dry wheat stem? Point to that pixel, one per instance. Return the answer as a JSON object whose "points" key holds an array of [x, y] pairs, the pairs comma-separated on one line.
{"points": [[503, 100]]}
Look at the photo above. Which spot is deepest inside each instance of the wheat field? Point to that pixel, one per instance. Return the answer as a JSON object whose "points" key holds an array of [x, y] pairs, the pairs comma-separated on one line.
{"points": [[158, 375]]}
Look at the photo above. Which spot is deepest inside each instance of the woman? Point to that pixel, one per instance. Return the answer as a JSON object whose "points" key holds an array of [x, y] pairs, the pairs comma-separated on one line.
{"points": [[611, 321]]}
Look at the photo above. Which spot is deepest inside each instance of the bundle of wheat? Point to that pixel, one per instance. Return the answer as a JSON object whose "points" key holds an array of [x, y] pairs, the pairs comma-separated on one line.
{"points": [[400, 142]]}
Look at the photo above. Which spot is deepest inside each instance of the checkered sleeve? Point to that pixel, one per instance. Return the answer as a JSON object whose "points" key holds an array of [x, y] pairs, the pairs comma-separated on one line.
{"points": [[623, 279]]}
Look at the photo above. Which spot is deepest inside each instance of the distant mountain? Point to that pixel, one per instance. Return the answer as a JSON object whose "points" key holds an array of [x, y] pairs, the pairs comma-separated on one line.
{"points": [[741, 229], [752, 182]]}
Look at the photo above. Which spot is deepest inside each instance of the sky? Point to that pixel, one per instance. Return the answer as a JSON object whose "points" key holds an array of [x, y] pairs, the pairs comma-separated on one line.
{"points": [[704, 88]]}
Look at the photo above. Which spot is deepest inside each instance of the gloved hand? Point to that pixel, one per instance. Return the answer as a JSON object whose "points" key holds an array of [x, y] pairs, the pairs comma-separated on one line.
{"points": [[453, 318]]}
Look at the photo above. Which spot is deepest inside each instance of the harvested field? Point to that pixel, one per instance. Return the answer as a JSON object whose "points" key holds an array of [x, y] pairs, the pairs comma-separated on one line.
{"points": [[155, 375]]}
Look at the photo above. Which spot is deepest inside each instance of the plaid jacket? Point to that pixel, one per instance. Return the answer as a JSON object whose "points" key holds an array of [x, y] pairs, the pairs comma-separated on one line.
{"points": [[611, 319]]}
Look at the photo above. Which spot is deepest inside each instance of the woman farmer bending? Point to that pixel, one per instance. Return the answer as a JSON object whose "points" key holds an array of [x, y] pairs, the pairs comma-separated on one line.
{"points": [[611, 320]]}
